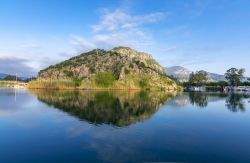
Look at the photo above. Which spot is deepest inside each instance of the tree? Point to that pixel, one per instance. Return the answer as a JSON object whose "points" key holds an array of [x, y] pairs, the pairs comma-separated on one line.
{"points": [[191, 78], [11, 78], [199, 78], [234, 76]]}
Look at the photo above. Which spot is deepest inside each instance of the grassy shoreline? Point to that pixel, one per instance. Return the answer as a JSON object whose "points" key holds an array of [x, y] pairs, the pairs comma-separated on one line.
{"points": [[71, 85]]}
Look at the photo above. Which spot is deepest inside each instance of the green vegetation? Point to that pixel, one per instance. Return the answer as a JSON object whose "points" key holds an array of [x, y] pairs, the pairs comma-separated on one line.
{"points": [[126, 71], [119, 68], [151, 61], [4, 83], [144, 83], [234, 76], [77, 81], [68, 73], [119, 108], [53, 84], [179, 89], [199, 78], [104, 79]]}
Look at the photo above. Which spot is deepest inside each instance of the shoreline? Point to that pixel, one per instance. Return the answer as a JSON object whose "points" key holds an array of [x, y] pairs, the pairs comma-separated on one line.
{"points": [[104, 89]]}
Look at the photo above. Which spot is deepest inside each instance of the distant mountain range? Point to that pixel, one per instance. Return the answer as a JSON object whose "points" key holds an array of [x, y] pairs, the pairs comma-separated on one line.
{"points": [[182, 74], [2, 75]]}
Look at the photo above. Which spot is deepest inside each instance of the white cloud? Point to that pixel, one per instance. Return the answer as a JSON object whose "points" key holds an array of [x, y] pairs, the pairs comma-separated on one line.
{"points": [[115, 28], [120, 19], [170, 49], [119, 28], [135, 38], [81, 43]]}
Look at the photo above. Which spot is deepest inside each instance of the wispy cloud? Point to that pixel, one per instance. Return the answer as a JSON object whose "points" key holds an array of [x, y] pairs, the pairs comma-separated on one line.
{"points": [[119, 28], [122, 20], [170, 49], [80, 43]]}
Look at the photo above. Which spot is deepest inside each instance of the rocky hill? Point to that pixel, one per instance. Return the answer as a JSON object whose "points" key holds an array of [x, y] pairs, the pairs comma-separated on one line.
{"points": [[121, 67]]}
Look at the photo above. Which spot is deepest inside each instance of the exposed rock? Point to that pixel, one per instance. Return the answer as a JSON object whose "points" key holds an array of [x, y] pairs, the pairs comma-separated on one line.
{"points": [[129, 67]]}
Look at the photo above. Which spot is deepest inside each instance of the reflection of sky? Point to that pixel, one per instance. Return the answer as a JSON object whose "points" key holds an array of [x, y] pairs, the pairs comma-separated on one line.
{"points": [[33, 131]]}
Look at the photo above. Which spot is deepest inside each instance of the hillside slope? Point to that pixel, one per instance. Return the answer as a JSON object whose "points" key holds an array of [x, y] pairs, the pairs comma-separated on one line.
{"points": [[120, 68]]}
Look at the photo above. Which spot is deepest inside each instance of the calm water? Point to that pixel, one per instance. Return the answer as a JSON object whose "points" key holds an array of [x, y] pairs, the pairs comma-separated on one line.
{"points": [[87, 126]]}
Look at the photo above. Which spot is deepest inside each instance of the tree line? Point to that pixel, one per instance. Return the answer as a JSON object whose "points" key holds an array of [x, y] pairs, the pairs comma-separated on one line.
{"points": [[233, 76]]}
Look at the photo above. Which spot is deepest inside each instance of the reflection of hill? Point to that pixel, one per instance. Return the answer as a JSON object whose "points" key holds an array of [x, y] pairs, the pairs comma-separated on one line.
{"points": [[179, 100], [116, 108]]}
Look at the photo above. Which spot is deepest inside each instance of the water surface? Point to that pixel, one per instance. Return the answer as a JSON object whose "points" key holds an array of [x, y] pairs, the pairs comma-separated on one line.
{"points": [[89, 126]]}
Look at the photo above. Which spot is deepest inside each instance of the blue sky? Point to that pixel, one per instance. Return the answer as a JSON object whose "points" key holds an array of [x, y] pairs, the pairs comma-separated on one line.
{"points": [[212, 35]]}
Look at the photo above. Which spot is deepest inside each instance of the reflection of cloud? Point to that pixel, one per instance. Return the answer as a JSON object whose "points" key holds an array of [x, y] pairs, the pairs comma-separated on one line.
{"points": [[13, 65], [179, 101], [78, 129]]}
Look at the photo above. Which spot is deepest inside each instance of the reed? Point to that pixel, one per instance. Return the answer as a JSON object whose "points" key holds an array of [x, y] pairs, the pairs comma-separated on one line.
{"points": [[53, 84]]}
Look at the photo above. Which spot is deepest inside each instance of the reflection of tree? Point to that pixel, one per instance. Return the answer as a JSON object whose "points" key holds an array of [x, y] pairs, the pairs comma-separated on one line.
{"points": [[115, 108], [200, 99], [235, 102]]}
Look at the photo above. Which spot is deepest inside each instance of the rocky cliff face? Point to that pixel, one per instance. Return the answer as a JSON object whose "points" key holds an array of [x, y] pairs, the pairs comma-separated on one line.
{"points": [[129, 68]]}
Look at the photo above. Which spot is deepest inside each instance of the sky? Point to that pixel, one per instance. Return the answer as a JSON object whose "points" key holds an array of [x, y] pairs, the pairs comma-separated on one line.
{"points": [[211, 35]]}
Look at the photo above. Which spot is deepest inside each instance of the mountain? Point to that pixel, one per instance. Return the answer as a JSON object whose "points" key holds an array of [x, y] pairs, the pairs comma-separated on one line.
{"points": [[120, 68], [216, 77], [182, 74], [2, 75], [11, 77], [178, 72]]}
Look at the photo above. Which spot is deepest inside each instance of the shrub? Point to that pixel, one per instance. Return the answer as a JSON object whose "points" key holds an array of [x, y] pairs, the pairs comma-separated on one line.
{"points": [[151, 61], [144, 83], [77, 82], [68, 73], [92, 69], [126, 71], [179, 89], [104, 79]]}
